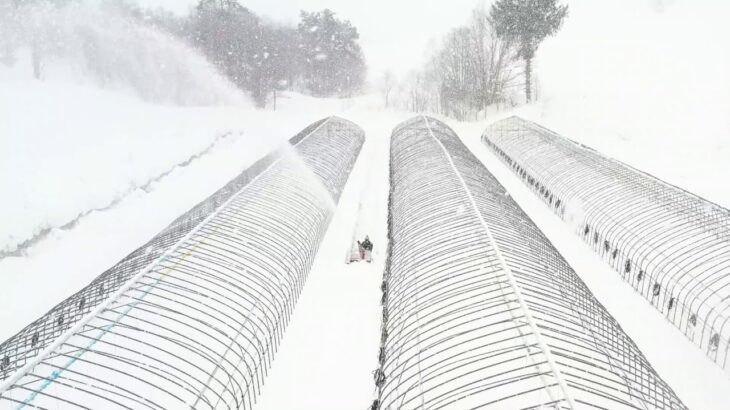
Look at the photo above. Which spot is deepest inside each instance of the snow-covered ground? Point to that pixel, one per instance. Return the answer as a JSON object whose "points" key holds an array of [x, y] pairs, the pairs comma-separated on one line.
{"points": [[645, 91], [644, 82], [99, 154], [331, 346], [108, 141], [325, 360]]}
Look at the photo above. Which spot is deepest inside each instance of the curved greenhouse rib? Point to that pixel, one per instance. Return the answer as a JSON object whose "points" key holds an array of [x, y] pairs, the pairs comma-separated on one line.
{"points": [[672, 246], [34, 338], [479, 309], [545, 350], [198, 326]]}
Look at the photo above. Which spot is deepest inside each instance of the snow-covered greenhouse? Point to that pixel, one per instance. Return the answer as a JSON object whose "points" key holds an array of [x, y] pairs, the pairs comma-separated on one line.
{"points": [[670, 245], [479, 309]]}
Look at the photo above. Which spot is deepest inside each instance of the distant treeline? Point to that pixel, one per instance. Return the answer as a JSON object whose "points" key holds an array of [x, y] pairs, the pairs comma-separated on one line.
{"points": [[320, 56], [480, 64]]}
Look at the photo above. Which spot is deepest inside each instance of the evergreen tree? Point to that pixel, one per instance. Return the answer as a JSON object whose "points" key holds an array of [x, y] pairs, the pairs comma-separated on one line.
{"points": [[272, 67], [330, 53], [526, 23], [228, 33], [261, 58]]}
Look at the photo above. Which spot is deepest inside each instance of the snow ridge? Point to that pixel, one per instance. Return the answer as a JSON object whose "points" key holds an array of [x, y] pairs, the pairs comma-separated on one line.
{"points": [[20, 249]]}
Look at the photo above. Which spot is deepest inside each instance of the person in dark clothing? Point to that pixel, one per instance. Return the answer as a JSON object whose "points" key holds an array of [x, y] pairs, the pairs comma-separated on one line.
{"points": [[366, 244], [366, 247]]}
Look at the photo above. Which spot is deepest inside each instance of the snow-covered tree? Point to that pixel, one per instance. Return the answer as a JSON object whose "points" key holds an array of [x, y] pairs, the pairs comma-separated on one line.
{"points": [[261, 57], [331, 56], [9, 32], [457, 74], [525, 24], [227, 33], [273, 65]]}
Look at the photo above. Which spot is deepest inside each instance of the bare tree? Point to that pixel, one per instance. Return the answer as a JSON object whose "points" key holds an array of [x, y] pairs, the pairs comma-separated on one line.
{"points": [[470, 70], [386, 84], [415, 89], [493, 58], [456, 73]]}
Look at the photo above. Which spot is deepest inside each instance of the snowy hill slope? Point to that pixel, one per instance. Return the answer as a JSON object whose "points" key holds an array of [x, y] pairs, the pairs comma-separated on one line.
{"points": [[97, 102], [644, 82], [53, 148]]}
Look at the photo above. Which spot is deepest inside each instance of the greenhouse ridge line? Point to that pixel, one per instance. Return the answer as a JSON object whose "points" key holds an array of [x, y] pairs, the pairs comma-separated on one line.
{"points": [[8, 383], [600, 210], [523, 305], [57, 373], [621, 163]]}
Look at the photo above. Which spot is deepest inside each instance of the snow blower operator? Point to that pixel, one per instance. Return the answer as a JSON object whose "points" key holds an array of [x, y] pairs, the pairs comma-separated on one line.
{"points": [[366, 249]]}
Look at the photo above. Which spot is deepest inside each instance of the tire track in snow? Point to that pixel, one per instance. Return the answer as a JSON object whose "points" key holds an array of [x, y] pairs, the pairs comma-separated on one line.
{"points": [[21, 249]]}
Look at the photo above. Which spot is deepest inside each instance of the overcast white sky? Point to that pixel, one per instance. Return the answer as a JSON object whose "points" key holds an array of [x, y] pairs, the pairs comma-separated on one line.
{"points": [[394, 33]]}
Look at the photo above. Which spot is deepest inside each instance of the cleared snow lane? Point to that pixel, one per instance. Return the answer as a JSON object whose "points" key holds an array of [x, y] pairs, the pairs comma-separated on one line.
{"points": [[330, 348]]}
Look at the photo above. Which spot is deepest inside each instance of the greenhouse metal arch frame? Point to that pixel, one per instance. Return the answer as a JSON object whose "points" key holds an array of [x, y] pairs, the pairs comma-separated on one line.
{"points": [[670, 245], [479, 309], [198, 326]]}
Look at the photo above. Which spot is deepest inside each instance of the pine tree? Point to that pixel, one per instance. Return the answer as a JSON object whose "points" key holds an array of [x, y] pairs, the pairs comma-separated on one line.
{"points": [[526, 23], [229, 35], [330, 53]]}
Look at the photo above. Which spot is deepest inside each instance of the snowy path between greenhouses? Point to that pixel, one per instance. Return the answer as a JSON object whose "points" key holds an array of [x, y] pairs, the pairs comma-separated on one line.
{"points": [[330, 347]]}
